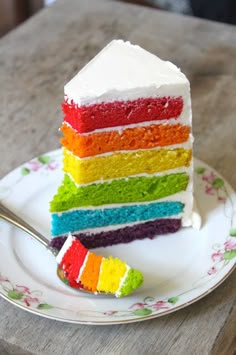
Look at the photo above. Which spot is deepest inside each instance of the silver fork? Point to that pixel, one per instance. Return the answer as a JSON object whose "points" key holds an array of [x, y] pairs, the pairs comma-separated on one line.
{"points": [[12, 218]]}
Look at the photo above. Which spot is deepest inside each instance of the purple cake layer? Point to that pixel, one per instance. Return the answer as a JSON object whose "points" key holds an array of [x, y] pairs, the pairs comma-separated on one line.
{"points": [[123, 235]]}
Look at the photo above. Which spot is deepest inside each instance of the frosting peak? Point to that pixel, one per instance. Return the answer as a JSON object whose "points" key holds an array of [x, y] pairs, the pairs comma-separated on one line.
{"points": [[122, 67]]}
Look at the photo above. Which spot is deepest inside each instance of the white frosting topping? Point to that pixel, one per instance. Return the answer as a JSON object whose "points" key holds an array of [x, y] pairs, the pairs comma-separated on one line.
{"points": [[122, 71]]}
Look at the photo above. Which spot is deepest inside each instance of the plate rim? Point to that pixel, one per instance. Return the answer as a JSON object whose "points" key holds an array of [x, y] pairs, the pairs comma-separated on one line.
{"points": [[124, 321]]}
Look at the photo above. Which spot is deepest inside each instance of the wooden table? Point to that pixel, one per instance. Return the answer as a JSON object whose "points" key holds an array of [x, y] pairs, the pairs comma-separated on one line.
{"points": [[35, 62]]}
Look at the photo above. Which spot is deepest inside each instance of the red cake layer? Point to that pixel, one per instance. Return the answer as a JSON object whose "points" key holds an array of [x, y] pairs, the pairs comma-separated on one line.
{"points": [[120, 113], [73, 260]]}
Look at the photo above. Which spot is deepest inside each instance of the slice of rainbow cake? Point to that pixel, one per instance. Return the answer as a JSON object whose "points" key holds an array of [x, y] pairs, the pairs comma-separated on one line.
{"points": [[127, 148], [95, 273]]}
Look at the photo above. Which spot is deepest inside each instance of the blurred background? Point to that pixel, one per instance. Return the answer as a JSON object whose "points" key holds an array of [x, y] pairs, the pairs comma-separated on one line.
{"points": [[14, 12]]}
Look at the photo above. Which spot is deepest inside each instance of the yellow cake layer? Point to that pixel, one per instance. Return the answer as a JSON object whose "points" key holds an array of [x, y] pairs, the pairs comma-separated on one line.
{"points": [[118, 165], [111, 272]]}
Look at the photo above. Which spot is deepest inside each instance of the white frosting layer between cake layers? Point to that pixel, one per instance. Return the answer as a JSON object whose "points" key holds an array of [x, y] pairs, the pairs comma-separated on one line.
{"points": [[82, 267], [65, 247], [162, 173], [183, 119], [186, 145], [122, 281], [122, 71]]}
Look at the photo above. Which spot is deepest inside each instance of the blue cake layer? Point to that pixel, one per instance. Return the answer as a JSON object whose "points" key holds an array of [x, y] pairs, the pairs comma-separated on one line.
{"points": [[80, 219]]}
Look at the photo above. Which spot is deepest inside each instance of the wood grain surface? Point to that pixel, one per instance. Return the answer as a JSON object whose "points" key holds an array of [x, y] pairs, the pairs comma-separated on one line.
{"points": [[36, 60]]}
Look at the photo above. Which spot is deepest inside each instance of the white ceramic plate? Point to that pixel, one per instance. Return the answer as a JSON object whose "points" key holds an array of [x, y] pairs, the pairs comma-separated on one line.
{"points": [[178, 268]]}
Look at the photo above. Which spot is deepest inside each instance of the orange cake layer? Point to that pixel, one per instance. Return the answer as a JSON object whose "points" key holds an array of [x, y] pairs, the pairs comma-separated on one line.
{"points": [[91, 272], [129, 139]]}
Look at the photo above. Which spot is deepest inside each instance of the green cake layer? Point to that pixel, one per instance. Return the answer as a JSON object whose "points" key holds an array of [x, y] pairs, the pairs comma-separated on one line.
{"points": [[134, 189], [133, 280]]}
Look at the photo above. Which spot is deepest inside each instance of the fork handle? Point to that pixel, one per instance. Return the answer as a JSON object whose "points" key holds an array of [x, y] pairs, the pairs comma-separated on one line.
{"points": [[11, 217]]}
